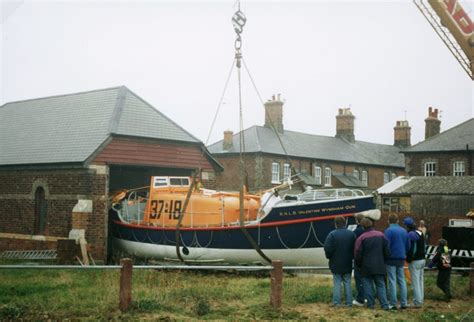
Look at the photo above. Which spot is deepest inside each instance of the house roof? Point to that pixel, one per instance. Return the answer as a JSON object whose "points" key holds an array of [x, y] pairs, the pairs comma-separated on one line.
{"points": [[70, 128], [349, 180], [429, 186], [453, 139], [303, 145]]}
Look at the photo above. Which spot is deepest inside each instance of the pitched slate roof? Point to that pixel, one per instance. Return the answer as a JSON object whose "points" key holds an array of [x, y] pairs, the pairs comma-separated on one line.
{"points": [[432, 186], [349, 180], [454, 139], [303, 145], [69, 128]]}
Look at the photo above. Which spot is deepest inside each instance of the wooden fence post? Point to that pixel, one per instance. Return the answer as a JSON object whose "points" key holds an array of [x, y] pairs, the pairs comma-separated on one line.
{"points": [[471, 288], [125, 284], [276, 283]]}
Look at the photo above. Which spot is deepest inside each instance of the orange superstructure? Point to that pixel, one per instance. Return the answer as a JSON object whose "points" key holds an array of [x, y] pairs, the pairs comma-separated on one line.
{"points": [[206, 208]]}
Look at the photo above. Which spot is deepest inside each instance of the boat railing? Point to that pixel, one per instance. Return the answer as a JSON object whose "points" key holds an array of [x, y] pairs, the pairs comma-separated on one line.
{"points": [[328, 194], [133, 208]]}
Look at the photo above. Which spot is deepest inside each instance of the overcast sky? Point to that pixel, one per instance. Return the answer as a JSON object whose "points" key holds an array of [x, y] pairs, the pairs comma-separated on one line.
{"points": [[381, 58]]}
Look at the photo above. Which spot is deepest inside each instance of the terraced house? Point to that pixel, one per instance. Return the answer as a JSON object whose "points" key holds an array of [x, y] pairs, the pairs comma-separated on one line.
{"points": [[450, 153], [323, 161]]}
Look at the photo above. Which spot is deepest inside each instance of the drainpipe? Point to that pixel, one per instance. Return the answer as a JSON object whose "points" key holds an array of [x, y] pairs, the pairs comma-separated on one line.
{"points": [[469, 157]]}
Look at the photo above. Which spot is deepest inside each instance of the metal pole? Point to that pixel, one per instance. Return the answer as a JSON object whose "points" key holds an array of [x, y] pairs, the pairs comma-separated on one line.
{"points": [[125, 284], [276, 283]]}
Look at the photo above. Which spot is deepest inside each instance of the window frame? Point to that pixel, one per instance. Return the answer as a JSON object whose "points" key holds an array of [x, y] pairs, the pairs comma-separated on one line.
{"points": [[327, 177], [286, 171], [365, 177], [317, 177], [386, 177], [276, 172], [356, 174], [431, 172], [458, 172], [393, 176]]}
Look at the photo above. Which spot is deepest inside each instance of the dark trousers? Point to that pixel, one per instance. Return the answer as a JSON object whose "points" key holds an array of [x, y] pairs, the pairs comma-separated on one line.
{"points": [[444, 281], [359, 285]]}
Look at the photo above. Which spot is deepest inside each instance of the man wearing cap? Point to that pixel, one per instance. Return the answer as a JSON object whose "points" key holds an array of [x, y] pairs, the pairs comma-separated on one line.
{"points": [[416, 260]]}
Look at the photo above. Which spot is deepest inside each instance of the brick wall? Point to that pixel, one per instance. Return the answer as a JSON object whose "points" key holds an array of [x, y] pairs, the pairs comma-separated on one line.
{"points": [[21, 244], [62, 188], [414, 162]]}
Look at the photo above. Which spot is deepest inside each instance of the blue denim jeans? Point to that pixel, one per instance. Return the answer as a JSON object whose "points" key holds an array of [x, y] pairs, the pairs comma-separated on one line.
{"points": [[396, 275], [417, 281], [379, 281], [345, 279], [359, 285]]}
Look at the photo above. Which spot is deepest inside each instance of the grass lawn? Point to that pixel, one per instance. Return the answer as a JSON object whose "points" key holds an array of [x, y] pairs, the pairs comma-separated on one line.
{"points": [[30, 294]]}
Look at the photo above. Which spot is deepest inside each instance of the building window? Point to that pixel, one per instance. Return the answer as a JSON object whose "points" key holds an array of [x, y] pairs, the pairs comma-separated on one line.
{"points": [[393, 176], [40, 211], [317, 174], [386, 177], [365, 178], [458, 168], [355, 173], [275, 172], [286, 171], [327, 176], [430, 169]]}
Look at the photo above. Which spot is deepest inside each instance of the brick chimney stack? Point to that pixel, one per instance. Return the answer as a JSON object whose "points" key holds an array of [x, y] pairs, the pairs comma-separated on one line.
{"points": [[228, 142], [432, 123], [402, 134], [274, 113], [345, 125]]}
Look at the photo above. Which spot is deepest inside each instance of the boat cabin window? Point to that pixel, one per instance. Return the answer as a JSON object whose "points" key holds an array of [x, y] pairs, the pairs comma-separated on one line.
{"points": [[179, 182], [170, 181]]}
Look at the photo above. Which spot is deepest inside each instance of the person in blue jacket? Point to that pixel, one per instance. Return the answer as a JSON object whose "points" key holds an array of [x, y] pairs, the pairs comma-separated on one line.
{"points": [[399, 246], [338, 247]]}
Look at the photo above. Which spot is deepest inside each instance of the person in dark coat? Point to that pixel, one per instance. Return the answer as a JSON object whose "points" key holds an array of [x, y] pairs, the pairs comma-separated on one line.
{"points": [[416, 260], [360, 297], [371, 251], [338, 246], [442, 260]]}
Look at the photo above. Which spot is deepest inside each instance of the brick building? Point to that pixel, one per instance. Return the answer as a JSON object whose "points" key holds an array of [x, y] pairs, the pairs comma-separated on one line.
{"points": [[71, 151], [450, 153], [339, 161]]}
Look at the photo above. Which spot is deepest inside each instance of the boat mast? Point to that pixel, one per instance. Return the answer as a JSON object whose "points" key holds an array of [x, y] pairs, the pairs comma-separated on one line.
{"points": [[238, 21]]}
